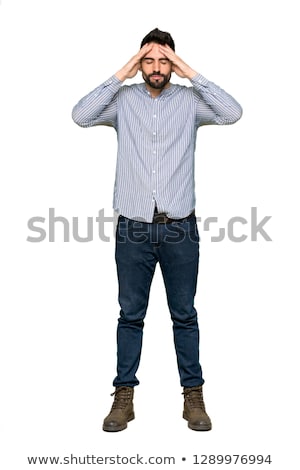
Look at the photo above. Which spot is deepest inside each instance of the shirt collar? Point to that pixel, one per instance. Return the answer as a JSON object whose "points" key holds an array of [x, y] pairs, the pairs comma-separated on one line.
{"points": [[163, 94]]}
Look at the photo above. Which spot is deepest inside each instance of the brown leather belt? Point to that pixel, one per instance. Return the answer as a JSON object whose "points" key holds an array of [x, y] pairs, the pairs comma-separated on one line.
{"points": [[162, 218]]}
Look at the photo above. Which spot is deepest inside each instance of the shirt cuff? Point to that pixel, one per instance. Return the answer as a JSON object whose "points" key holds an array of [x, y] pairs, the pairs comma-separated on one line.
{"points": [[113, 82], [199, 80]]}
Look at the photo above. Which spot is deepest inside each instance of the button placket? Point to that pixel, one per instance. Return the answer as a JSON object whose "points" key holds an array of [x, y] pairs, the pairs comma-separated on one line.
{"points": [[154, 150]]}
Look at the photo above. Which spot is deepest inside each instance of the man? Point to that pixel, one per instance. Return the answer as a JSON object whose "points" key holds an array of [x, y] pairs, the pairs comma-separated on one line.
{"points": [[156, 123]]}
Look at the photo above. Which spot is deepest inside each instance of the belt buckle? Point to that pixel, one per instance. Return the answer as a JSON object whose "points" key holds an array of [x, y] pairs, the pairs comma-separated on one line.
{"points": [[160, 218]]}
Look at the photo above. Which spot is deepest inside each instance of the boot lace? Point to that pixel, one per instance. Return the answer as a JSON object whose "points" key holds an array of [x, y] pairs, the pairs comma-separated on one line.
{"points": [[194, 397], [123, 395]]}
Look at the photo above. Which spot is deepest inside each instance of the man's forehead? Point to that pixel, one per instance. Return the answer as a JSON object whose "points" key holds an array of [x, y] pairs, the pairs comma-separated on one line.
{"points": [[155, 53]]}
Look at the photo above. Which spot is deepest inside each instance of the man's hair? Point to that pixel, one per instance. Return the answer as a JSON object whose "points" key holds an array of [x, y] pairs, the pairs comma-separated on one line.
{"points": [[159, 37]]}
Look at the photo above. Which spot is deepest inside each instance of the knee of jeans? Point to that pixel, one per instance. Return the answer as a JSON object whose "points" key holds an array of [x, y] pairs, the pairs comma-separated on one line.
{"points": [[133, 316], [183, 314]]}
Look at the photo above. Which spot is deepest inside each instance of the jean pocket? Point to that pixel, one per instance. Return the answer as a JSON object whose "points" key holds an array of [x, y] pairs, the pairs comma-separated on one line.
{"points": [[178, 232]]}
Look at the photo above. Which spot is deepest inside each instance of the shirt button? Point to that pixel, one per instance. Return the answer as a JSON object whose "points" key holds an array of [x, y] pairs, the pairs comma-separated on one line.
{"points": [[154, 133], [153, 171], [154, 151], [154, 115]]}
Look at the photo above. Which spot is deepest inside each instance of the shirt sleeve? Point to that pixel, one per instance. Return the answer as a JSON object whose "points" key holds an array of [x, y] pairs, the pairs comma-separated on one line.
{"points": [[214, 105], [99, 107]]}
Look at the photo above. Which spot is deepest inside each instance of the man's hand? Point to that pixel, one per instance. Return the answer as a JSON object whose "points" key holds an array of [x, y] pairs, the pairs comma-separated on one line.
{"points": [[132, 67], [178, 66]]}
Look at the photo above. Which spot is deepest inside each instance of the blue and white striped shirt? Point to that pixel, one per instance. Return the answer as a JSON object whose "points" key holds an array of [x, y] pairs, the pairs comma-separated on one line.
{"points": [[156, 140]]}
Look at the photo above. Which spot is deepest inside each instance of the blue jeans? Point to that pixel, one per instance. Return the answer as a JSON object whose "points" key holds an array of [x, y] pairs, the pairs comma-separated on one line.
{"points": [[175, 246]]}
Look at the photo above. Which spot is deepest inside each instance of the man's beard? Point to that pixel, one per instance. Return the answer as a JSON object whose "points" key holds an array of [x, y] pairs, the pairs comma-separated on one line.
{"points": [[157, 84]]}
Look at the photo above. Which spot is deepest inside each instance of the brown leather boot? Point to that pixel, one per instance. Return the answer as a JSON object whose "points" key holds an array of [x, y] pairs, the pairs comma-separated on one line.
{"points": [[194, 409], [121, 411]]}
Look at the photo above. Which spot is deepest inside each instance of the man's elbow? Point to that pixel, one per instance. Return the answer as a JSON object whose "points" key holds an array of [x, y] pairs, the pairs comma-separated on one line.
{"points": [[233, 116], [239, 113], [78, 118]]}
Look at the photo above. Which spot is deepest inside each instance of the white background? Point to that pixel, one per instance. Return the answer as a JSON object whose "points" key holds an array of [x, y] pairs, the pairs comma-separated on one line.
{"points": [[59, 300]]}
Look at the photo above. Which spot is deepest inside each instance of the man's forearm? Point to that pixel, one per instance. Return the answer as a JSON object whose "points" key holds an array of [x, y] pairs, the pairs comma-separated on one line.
{"points": [[226, 109], [89, 110]]}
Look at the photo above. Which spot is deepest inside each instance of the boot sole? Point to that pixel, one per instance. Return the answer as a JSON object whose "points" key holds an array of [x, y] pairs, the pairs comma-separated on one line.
{"points": [[118, 428], [203, 427]]}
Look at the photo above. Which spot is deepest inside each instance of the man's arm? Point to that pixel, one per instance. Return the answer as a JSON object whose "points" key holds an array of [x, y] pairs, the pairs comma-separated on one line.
{"points": [[214, 105], [100, 105]]}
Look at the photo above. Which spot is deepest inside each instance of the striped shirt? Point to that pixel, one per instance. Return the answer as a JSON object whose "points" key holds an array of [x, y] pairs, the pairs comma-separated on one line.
{"points": [[156, 140]]}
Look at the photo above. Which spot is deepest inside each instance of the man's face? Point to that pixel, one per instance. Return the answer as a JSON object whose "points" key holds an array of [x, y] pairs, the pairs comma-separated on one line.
{"points": [[156, 68]]}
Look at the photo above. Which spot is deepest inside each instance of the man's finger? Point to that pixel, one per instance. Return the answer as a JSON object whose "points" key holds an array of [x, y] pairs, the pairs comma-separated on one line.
{"points": [[145, 49], [168, 52]]}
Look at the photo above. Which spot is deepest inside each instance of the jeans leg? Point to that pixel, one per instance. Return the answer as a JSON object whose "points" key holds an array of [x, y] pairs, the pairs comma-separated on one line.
{"points": [[136, 263], [179, 259]]}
